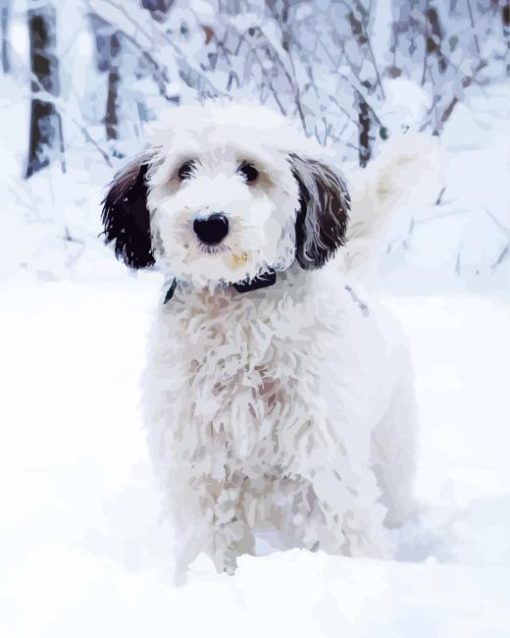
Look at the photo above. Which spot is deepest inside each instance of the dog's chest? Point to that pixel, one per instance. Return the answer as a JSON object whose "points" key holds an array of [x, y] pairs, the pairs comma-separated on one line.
{"points": [[240, 373]]}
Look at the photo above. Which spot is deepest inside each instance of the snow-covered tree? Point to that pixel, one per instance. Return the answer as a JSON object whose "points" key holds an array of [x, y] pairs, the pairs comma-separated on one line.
{"points": [[4, 29], [46, 137]]}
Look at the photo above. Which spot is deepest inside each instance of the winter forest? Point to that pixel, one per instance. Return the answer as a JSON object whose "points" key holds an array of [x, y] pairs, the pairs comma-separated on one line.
{"points": [[82, 544], [82, 81]]}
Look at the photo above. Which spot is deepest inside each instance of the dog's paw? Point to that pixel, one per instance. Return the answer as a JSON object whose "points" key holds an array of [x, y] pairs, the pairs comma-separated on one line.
{"points": [[225, 562], [180, 577]]}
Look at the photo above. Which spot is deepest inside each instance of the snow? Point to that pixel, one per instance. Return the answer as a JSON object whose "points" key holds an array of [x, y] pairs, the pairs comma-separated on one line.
{"points": [[83, 548], [84, 551]]}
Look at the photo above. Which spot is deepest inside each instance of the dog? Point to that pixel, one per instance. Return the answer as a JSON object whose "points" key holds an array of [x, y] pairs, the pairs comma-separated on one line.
{"points": [[275, 397]]}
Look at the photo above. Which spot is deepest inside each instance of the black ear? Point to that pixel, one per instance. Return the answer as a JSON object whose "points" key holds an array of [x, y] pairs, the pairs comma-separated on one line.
{"points": [[324, 211], [125, 216]]}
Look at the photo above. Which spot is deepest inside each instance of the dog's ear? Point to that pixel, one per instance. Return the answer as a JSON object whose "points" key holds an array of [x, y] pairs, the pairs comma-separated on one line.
{"points": [[324, 211], [125, 215]]}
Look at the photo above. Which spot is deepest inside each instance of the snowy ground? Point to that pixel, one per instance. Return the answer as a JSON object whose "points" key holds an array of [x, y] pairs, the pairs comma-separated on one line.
{"points": [[82, 550]]}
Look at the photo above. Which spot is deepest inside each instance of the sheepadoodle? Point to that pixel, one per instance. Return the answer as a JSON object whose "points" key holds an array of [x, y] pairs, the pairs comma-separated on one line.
{"points": [[276, 397]]}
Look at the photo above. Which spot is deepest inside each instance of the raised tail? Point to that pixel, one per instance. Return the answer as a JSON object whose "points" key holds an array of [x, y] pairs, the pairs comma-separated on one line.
{"points": [[407, 173]]}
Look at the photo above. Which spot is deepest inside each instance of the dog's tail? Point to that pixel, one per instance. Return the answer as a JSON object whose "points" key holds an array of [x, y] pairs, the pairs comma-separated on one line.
{"points": [[408, 172]]}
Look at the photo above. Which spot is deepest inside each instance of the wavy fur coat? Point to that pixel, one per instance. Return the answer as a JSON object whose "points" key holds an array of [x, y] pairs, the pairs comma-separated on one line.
{"points": [[275, 398]]}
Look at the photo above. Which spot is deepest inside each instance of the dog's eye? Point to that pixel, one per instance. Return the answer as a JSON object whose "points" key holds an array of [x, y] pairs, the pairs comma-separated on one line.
{"points": [[249, 172], [186, 170]]}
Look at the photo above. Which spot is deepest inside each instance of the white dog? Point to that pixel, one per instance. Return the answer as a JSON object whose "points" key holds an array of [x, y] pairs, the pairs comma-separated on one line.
{"points": [[274, 396]]}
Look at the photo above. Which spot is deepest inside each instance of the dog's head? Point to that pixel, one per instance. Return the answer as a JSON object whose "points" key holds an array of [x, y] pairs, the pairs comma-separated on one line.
{"points": [[226, 193]]}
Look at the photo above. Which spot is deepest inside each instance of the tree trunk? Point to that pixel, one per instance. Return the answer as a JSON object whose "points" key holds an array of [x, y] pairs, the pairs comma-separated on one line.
{"points": [[434, 38], [365, 139], [505, 19], [4, 23], [108, 48], [157, 8], [111, 119], [46, 139]]}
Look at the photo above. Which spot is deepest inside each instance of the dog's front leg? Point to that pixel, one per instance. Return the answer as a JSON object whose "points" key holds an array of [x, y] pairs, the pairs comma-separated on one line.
{"points": [[352, 511], [215, 525], [230, 535], [352, 517]]}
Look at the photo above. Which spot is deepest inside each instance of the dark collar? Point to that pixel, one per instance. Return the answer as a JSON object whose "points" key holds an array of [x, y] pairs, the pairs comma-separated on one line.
{"points": [[247, 285], [170, 291], [262, 281]]}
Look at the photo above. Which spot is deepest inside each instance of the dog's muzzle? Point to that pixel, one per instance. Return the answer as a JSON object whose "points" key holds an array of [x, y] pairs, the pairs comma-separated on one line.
{"points": [[211, 230]]}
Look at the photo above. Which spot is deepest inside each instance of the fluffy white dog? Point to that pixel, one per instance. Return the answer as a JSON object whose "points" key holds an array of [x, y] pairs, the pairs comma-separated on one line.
{"points": [[274, 396]]}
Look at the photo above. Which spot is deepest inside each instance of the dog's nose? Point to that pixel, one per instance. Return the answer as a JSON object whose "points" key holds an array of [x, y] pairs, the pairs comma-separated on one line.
{"points": [[211, 230]]}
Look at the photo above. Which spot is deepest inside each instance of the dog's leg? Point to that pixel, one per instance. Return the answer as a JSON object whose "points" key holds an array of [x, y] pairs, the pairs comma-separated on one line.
{"points": [[187, 547], [394, 453], [352, 514], [347, 517], [214, 524], [230, 535], [296, 513]]}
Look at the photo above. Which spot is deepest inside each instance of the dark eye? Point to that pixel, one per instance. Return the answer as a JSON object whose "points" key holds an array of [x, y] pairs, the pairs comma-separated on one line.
{"points": [[249, 172], [186, 170]]}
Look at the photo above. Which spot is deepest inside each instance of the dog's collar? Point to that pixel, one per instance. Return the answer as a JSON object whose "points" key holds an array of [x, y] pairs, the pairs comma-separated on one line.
{"points": [[262, 281], [170, 291], [247, 285]]}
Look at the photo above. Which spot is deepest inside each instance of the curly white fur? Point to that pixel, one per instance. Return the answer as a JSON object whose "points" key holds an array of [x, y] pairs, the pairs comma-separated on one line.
{"points": [[288, 407]]}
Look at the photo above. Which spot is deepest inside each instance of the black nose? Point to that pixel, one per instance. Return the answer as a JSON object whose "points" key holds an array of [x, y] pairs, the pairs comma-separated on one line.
{"points": [[211, 230]]}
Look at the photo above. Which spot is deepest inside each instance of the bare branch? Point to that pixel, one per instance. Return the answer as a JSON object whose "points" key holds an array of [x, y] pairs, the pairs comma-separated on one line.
{"points": [[468, 80]]}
